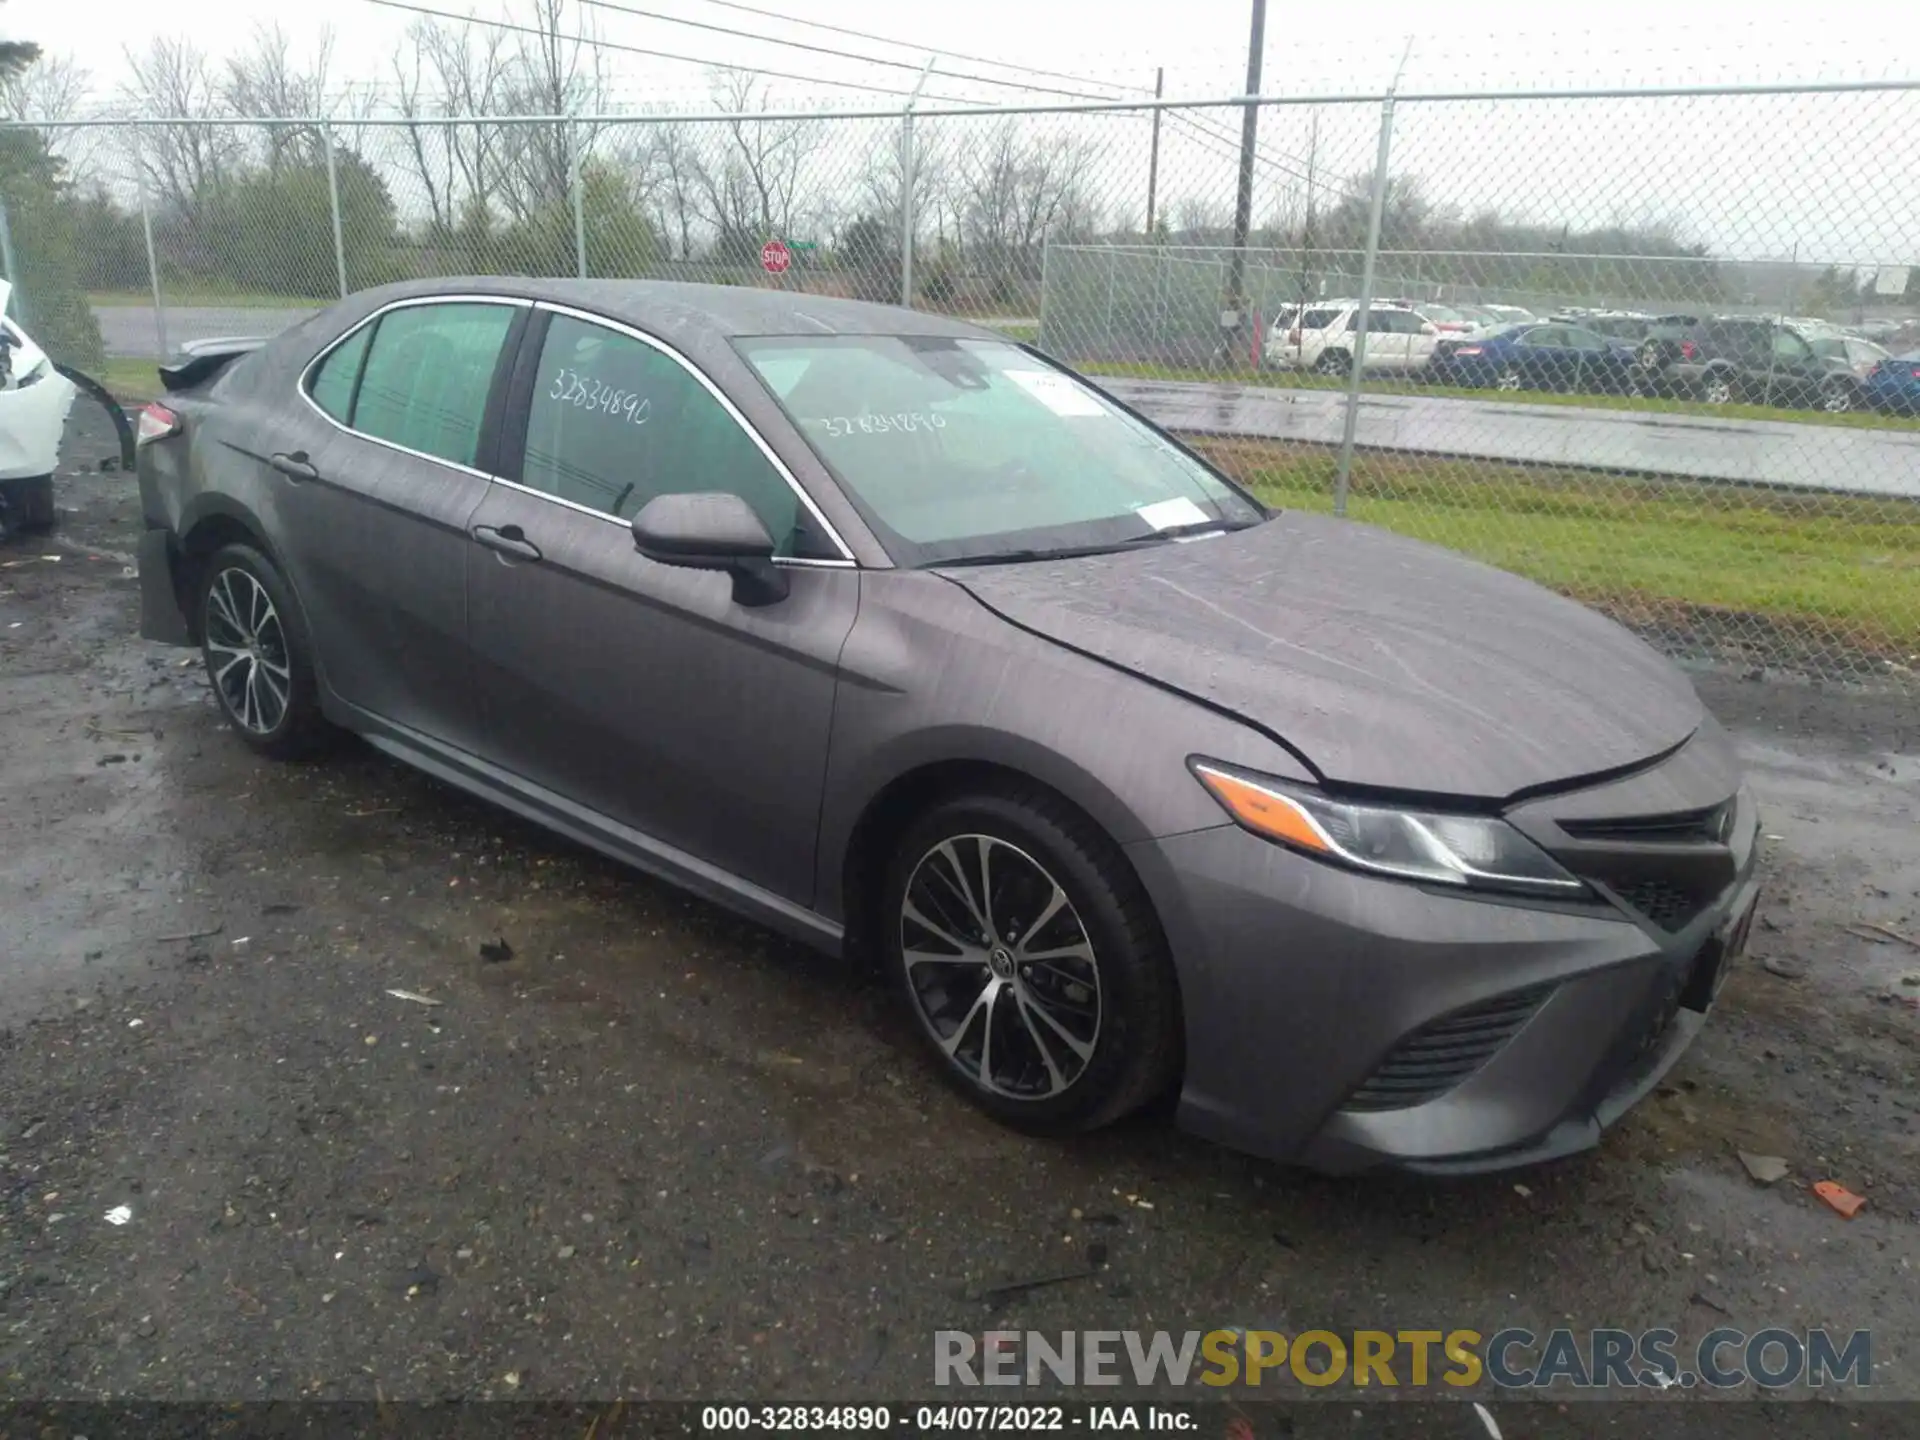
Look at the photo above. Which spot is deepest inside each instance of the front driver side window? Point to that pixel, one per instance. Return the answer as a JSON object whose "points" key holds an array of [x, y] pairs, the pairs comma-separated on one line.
{"points": [[615, 422]]}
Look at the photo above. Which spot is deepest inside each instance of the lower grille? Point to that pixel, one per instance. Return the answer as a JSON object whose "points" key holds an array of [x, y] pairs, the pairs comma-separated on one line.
{"points": [[1667, 905], [1440, 1054]]}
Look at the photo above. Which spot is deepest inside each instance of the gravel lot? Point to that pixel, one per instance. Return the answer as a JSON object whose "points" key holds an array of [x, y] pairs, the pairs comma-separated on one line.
{"points": [[659, 1152]]}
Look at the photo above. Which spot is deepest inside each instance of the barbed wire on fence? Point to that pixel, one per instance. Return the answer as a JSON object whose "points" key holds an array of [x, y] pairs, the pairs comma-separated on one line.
{"points": [[1637, 345]]}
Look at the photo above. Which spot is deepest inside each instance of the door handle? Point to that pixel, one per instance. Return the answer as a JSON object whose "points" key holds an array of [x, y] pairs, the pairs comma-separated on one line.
{"points": [[295, 466], [508, 540]]}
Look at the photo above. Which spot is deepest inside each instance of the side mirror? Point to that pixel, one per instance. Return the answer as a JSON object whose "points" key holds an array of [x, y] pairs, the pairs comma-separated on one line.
{"points": [[712, 530]]}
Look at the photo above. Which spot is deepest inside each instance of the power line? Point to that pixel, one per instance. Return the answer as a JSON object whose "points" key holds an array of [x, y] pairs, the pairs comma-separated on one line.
{"points": [[663, 54], [910, 65], [909, 45]]}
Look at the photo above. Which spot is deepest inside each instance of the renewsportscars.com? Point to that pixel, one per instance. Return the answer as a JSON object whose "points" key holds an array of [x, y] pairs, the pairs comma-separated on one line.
{"points": [[1514, 1359]]}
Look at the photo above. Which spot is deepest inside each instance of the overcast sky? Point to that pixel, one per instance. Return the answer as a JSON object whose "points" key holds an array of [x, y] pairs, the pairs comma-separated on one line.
{"points": [[1823, 178], [1201, 42]]}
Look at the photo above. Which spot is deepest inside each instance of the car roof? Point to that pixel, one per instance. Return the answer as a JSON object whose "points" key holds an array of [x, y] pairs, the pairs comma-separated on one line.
{"points": [[664, 305]]}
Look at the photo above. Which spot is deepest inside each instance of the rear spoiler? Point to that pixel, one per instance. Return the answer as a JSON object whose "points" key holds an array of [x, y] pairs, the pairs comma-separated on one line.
{"points": [[201, 360]]}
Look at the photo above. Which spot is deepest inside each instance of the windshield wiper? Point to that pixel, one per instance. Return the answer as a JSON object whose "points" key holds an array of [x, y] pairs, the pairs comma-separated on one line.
{"points": [[1071, 552]]}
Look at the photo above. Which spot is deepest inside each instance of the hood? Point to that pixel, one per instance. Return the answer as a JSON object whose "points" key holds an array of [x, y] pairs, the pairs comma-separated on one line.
{"points": [[1382, 661]]}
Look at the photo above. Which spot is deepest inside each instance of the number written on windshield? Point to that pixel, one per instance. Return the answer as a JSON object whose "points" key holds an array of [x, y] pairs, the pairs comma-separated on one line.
{"points": [[901, 422]]}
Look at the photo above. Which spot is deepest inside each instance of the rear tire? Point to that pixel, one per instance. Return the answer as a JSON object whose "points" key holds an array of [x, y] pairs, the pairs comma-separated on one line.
{"points": [[26, 506], [1838, 398], [1508, 380], [1057, 987], [259, 658], [1333, 362]]}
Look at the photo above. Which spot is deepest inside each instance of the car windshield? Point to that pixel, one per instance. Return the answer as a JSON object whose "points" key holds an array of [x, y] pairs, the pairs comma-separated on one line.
{"points": [[958, 449]]}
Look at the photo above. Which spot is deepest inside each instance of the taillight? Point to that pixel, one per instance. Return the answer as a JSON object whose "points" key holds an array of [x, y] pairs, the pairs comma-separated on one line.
{"points": [[1916, 372], [1293, 336], [1467, 350], [1686, 349], [157, 422]]}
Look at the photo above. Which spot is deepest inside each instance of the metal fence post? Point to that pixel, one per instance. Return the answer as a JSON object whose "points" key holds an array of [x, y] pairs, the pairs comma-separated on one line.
{"points": [[6, 251], [153, 262], [333, 202], [906, 185], [576, 183], [1113, 265], [1343, 474]]}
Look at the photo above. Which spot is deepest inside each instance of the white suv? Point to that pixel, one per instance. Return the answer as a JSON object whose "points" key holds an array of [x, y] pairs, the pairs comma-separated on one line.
{"points": [[34, 399], [1320, 337]]}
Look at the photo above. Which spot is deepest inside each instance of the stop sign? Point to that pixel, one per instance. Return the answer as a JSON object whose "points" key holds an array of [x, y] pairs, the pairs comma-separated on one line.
{"points": [[775, 257]]}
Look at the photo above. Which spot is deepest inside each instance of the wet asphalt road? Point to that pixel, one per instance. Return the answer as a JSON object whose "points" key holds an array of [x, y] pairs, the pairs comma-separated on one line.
{"points": [[659, 1152], [1768, 452], [1861, 461]]}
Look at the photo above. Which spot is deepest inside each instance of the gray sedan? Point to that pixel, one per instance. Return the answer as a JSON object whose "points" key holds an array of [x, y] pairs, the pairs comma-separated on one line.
{"points": [[907, 642]]}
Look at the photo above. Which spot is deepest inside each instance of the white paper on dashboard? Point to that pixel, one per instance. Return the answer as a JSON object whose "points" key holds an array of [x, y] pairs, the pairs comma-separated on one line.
{"points": [[1056, 392], [1169, 514]]}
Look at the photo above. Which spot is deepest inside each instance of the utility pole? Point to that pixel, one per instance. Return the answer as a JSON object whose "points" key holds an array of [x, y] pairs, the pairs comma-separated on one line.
{"points": [[1236, 305], [1306, 226], [1153, 155]]}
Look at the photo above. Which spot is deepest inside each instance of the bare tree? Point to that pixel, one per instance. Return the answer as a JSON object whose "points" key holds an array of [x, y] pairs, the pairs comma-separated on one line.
{"points": [[671, 158], [753, 187], [446, 71], [266, 81], [1018, 191], [52, 90], [183, 161], [555, 72]]}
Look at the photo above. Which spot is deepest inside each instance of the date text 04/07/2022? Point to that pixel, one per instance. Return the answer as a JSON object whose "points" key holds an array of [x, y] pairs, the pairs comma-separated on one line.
{"points": [[941, 1419]]}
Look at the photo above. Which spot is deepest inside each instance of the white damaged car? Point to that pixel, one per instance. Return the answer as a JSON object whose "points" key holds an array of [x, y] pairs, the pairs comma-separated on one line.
{"points": [[34, 400]]}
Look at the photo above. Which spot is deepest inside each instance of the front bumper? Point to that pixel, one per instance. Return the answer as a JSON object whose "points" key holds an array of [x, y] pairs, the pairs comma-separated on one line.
{"points": [[33, 421], [1304, 985]]}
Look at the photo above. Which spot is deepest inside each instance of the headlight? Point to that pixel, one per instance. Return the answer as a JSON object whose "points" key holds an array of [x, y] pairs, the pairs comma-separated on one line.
{"points": [[1480, 852]]}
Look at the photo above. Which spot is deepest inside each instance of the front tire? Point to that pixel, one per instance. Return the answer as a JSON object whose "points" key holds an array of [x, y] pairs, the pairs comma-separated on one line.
{"points": [[1507, 380], [1333, 362], [258, 656], [1838, 398], [1032, 961], [1718, 389]]}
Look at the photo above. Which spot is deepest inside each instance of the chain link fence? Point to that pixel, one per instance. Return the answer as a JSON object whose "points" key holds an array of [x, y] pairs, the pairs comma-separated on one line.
{"points": [[1657, 350]]}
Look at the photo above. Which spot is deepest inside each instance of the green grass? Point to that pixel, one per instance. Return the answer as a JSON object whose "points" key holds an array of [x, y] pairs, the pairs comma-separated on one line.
{"points": [[1296, 380], [1025, 334], [129, 381], [1825, 573], [239, 299]]}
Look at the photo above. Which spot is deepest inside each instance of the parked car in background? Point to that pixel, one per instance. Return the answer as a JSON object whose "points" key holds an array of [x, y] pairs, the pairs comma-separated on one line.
{"points": [[1746, 359], [1511, 314], [1322, 338], [1860, 356], [1893, 386], [1444, 318], [1536, 357], [34, 400], [1482, 316]]}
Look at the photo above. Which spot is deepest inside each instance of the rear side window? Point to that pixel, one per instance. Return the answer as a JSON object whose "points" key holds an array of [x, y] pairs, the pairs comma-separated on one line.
{"points": [[332, 383], [427, 375], [613, 422], [1318, 319]]}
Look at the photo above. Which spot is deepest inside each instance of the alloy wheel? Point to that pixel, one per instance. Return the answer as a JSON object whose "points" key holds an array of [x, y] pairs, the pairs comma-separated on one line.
{"points": [[1509, 379], [247, 651], [1836, 400], [1717, 391], [1000, 967]]}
